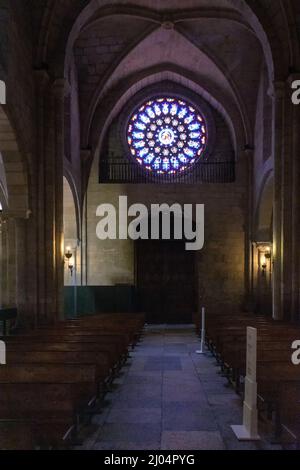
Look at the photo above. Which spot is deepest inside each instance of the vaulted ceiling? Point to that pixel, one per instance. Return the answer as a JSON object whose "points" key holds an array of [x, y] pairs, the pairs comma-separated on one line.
{"points": [[219, 45]]}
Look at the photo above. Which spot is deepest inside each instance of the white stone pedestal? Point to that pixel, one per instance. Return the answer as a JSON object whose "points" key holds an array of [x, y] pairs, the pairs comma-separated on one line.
{"points": [[2, 353], [248, 430], [242, 434]]}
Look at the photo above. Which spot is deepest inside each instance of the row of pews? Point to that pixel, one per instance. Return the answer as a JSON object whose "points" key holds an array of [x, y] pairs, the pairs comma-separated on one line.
{"points": [[277, 377], [55, 378]]}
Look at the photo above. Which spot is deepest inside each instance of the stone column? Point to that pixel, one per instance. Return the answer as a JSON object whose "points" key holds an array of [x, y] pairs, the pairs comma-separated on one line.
{"points": [[49, 201], [278, 120], [59, 88], [4, 284], [23, 282], [295, 265], [249, 294], [8, 268], [41, 200], [1, 258], [85, 156], [11, 262]]}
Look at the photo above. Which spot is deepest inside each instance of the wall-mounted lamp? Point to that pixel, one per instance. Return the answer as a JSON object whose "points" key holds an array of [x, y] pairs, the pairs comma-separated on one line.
{"points": [[268, 254], [69, 256], [263, 264], [265, 255]]}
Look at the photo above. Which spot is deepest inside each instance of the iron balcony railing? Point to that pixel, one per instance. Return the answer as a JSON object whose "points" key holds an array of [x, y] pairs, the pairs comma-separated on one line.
{"points": [[118, 170]]}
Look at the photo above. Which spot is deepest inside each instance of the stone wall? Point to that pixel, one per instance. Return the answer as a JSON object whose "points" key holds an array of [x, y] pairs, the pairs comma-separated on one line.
{"points": [[220, 264]]}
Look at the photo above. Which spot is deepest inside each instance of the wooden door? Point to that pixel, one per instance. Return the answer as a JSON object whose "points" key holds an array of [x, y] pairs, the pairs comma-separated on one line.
{"points": [[165, 277]]}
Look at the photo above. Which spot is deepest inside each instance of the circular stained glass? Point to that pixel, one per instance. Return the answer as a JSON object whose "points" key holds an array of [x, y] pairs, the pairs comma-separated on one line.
{"points": [[166, 135]]}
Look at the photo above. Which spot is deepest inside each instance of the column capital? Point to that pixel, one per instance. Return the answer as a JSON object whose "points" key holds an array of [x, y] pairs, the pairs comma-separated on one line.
{"points": [[15, 214]]}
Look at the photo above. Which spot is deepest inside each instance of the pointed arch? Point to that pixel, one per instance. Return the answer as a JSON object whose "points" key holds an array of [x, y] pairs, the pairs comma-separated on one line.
{"points": [[14, 167]]}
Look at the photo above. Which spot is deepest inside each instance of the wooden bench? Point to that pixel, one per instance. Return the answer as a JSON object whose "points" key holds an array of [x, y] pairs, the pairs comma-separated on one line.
{"points": [[16, 435], [278, 379], [289, 412], [108, 351], [54, 372], [63, 357], [49, 397]]}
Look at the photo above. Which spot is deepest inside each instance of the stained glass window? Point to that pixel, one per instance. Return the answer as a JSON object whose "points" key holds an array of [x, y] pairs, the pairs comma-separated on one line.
{"points": [[166, 135]]}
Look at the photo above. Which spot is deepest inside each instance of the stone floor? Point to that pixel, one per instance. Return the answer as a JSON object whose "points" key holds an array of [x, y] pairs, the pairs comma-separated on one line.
{"points": [[169, 398]]}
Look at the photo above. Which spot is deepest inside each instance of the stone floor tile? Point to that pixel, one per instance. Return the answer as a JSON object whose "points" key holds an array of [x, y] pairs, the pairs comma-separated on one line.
{"points": [[138, 433], [168, 397], [192, 440], [188, 416], [135, 415]]}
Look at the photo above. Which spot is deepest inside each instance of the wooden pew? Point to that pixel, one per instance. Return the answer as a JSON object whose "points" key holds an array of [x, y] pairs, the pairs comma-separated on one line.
{"points": [[109, 352], [63, 357], [16, 435], [277, 377], [113, 323], [121, 339], [107, 342], [289, 412], [49, 397], [53, 373], [234, 357]]}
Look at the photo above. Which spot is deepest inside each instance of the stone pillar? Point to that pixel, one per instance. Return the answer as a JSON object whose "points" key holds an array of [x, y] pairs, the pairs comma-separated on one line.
{"points": [[4, 284], [11, 261], [49, 199], [249, 294], [23, 281], [295, 265], [278, 120], [40, 200], [8, 262], [85, 156], [1, 258], [286, 204], [59, 88]]}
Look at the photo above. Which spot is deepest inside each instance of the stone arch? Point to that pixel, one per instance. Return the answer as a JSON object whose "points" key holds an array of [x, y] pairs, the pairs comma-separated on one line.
{"points": [[273, 48], [71, 198], [226, 109], [114, 74], [14, 167], [85, 11]]}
